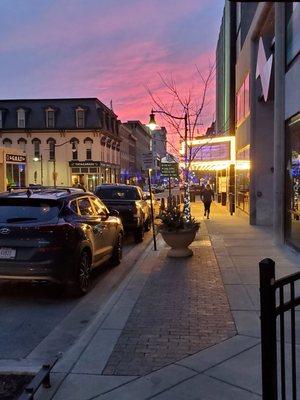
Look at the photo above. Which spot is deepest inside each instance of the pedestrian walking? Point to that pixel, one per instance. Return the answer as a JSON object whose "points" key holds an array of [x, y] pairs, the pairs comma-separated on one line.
{"points": [[207, 197]]}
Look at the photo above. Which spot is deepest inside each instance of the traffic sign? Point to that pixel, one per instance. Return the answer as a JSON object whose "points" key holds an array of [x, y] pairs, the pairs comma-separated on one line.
{"points": [[147, 159]]}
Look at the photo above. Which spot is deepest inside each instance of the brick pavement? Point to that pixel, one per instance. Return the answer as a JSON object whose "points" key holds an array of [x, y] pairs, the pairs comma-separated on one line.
{"points": [[182, 309]]}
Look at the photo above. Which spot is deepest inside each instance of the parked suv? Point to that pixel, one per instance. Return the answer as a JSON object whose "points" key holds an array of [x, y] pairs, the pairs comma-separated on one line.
{"points": [[131, 203], [56, 235]]}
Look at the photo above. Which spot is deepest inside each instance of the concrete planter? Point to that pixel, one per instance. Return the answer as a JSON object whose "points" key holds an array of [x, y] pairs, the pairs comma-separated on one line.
{"points": [[179, 242]]}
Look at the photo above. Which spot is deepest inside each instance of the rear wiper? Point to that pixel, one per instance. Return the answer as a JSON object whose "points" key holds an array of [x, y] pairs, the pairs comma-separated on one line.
{"points": [[20, 219]]}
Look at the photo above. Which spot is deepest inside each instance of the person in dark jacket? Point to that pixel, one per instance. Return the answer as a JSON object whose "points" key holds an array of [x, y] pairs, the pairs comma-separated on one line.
{"points": [[207, 197]]}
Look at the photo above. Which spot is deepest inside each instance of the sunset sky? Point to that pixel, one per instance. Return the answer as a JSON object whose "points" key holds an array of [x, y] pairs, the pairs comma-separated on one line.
{"points": [[110, 49]]}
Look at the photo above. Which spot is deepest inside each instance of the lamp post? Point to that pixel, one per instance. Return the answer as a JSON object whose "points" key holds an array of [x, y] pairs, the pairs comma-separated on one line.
{"points": [[40, 158], [152, 125], [74, 149]]}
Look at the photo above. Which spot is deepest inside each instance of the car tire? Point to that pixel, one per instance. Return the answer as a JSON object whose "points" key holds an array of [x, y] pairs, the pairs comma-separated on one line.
{"points": [[139, 234], [116, 256], [83, 274]]}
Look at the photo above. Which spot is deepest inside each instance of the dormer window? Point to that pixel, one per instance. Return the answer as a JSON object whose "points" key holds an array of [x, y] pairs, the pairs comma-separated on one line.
{"points": [[21, 118], [80, 117], [50, 117]]}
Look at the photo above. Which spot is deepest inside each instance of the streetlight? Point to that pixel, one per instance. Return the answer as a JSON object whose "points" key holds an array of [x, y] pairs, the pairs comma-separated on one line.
{"points": [[153, 125], [74, 149], [40, 158]]}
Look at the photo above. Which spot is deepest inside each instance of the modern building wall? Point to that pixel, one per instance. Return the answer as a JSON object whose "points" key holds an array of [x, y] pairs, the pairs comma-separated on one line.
{"points": [[267, 74]]}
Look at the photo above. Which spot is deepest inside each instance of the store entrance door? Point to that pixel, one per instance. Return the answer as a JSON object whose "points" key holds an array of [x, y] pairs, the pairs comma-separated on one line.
{"points": [[92, 182]]}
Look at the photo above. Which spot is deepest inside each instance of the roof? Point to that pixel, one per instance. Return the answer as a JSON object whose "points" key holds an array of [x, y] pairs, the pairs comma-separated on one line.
{"points": [[42, 193], [64, 112]]}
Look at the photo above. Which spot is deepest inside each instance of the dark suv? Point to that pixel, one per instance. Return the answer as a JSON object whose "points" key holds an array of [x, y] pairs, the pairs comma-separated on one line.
{"points": [[132, 205], [56, 235]]}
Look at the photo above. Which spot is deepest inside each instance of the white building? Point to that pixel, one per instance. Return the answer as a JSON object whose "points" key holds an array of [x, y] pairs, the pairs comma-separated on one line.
{"points": [[67, 141]]}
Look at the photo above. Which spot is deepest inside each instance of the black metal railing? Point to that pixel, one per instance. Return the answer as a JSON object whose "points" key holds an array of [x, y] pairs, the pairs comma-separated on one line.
{"points": [[41, 378], [273, 304]]}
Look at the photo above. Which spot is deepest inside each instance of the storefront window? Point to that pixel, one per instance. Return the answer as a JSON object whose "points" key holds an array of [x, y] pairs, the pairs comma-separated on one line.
{"points": [[243, 179], [15, 175], [292, 30], [243, 101], [293, 182]]}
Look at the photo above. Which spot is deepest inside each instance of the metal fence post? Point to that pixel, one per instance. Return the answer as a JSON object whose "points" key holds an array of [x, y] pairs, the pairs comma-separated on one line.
{"points": [[268, 329]]}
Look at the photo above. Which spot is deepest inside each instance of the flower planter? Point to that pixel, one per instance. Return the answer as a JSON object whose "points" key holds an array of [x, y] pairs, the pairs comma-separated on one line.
{"points": [[179, 241]]}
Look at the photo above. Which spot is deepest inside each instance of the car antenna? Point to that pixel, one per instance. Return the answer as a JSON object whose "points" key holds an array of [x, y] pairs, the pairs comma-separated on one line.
{"points": [[28, 193]]}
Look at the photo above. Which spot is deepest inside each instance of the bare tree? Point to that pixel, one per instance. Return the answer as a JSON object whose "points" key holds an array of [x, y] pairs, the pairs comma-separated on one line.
{"points": [[183, 114]]}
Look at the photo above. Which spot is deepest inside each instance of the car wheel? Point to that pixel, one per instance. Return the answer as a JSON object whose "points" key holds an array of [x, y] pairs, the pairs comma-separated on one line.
{"points": [[83, 273], [117, 253], [139, 234], [148, 225]]}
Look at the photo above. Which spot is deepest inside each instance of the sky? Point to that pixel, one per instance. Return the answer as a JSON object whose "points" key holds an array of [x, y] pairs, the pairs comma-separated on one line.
{"points": [[110, 49]]}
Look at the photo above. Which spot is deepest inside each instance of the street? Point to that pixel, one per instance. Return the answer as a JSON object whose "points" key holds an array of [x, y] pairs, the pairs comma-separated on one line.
{"points": [[33, 316]]}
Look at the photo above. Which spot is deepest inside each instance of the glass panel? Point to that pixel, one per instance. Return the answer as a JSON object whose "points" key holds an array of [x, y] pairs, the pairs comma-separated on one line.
{"points": [[15, 210], [292, 30], [293, 182], [85, 207]]}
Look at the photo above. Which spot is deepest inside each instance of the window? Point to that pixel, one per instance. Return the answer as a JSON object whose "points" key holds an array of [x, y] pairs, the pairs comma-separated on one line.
{"points": [[36, 147], [243, 102], [1, 119], [74, 143], [50, 118], [51, 143], [85, 207], [22, 144], [80, 117], [73, 206], [292, 30], [99, 207], [21, 118], [7, 142], [88, 143]]}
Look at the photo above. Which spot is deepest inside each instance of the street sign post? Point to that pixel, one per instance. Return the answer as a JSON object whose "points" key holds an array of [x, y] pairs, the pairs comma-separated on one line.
{"points": [[169, 169], [147, 160]]}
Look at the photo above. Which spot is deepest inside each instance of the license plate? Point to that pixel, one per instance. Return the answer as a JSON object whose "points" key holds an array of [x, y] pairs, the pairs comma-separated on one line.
{"points": [[6, 253]]}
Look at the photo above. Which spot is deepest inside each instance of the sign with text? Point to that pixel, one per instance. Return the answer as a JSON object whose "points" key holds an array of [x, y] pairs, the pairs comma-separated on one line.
{"points": [[211, 152], [147, 159], [15, 158], [169, 169]]}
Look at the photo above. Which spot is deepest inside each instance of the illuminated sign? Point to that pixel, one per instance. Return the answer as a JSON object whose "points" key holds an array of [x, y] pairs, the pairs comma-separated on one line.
{"points": [[264, 68], [15, 158], [211, 152]]}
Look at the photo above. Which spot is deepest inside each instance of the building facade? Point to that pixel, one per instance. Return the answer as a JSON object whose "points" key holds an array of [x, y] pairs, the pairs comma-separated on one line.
{"points": [[142, 136], [128, 155], [267, 121], [67, 141], [159, 150]]}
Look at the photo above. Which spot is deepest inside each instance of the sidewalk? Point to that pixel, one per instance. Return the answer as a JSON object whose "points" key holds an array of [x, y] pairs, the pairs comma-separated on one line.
{"points": [[179, 329]]}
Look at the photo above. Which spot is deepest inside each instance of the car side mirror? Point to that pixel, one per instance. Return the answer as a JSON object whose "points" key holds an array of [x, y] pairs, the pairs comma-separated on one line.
{"points": [[103, 216], [114, 213]]}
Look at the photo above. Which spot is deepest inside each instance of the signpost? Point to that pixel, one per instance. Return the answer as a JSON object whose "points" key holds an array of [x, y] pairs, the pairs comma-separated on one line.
{"points": [[147, 159], [169, 168], [152, 210]]}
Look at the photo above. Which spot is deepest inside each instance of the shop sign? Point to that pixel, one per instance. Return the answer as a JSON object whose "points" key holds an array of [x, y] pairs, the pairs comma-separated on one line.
{"points": [[85, 163], [169, 169], [15, 158], [211, 152]]}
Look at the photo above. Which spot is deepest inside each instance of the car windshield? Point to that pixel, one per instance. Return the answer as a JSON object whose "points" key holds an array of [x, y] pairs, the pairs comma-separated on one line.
{"points": [[118, 193], [27, 210]]}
